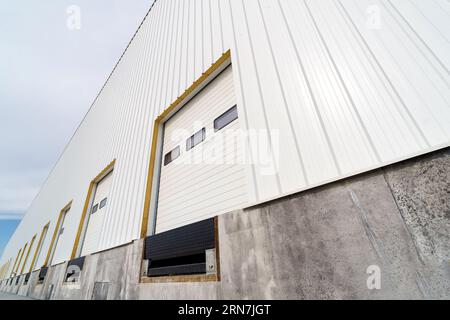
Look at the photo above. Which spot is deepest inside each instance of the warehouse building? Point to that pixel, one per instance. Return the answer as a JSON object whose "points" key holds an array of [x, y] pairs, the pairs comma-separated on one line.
{"points": [[255, 149]]}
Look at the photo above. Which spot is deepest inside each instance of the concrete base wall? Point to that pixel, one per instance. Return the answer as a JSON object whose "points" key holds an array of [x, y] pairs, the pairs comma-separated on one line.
{"points": [[317, 244]]}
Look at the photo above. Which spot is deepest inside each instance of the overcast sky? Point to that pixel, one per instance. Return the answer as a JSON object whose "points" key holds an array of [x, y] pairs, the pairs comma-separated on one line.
{"points": [[50, 72]]}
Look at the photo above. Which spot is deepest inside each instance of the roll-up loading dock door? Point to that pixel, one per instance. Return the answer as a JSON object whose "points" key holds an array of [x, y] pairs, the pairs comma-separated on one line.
{"points": [[58, 239], [97, 215], [202, 168]]}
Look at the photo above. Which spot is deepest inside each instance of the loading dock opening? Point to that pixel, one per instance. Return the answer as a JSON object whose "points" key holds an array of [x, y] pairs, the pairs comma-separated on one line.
{"points": [[59, 229], [88, 206], [179, 192]]}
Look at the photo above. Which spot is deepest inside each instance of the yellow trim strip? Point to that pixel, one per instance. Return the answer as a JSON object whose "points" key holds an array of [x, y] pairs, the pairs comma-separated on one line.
{"points": [[55, 233], [28, 253], [15, 262], [44, 231], [21, 256], [151, 168], [108, 168], [3, 270], [150, 173]]}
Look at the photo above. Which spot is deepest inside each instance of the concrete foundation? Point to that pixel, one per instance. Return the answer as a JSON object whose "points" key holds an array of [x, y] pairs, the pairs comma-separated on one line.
{"points": [[318, 244]]}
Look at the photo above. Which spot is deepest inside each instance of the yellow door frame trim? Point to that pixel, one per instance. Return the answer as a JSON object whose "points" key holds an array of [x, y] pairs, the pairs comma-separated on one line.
{"points": [[38, 248], [4, 269], [55, 233], [21, 256], [178, 103], [28, 253], [15, 262], [102, 174]]}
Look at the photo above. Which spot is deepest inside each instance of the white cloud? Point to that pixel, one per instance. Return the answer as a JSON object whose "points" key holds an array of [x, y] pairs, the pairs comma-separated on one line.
{"points": [[15, 200], [49, 76]]}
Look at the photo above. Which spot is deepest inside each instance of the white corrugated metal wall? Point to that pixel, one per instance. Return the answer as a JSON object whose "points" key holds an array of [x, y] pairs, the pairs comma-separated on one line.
{"points": [[346, 85]]}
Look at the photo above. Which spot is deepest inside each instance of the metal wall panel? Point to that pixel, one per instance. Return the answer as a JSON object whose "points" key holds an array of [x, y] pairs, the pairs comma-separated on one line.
{"points": [[334, 87]]}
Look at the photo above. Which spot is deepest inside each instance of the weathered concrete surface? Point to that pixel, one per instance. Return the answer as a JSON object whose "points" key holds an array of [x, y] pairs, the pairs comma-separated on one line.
{"points": [[422, 191], [123, 279], [317, 244], [421, 188], [13, 288], [119, 268], [8, 296]]}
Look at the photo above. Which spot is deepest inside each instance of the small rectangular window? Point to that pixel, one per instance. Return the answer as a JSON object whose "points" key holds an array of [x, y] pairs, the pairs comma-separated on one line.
{"points": [[195, 139], [225, 119], [172, 156], [103, 203], [94, 209]]}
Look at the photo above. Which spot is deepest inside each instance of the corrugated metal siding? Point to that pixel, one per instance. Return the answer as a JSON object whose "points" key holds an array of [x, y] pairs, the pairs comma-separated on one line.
{"points": [[337, 97], [345, 98]]}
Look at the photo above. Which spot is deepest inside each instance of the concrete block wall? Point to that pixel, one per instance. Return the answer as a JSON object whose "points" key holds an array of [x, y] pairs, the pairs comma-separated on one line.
{"points": [[316, 244]]}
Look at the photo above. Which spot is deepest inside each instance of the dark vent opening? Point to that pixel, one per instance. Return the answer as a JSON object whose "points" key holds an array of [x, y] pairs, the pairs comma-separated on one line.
{"points": [[196, 258], [42, 274], [27, 277], [180, 251]]}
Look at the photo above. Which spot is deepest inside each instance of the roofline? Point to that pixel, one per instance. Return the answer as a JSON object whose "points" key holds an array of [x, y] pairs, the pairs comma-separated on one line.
{"points": [[87, 112]]}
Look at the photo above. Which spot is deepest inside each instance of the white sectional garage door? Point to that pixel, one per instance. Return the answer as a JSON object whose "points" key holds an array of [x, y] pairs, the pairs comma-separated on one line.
{"points": [[97, 215], [202, 171], [57, 252]]}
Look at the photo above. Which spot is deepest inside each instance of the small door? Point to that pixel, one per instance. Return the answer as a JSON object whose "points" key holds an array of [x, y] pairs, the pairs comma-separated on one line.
{"points": [[97, 215]]}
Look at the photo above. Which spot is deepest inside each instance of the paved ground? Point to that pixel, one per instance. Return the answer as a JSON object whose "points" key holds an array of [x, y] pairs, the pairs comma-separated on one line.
{"points": [[7, 296]]}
